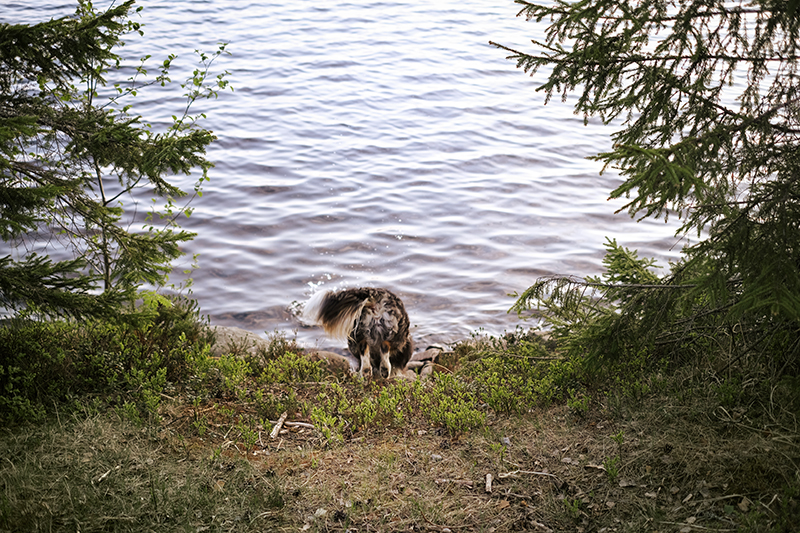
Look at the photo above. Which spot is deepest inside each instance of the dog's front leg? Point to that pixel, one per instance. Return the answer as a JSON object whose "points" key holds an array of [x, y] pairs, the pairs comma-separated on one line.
{"points": [[366, 364]]}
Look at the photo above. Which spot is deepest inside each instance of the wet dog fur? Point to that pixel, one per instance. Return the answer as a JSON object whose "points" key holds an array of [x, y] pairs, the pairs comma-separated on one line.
{"points": [[373, 321]]}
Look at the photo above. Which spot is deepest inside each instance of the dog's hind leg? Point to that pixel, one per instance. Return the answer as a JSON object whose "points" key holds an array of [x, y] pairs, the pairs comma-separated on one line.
{"points": [[366, 364], [386, 365]]}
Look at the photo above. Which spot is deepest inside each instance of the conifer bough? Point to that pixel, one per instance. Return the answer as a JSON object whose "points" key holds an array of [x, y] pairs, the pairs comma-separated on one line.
{"points": [[706, 100], [72, 162]]}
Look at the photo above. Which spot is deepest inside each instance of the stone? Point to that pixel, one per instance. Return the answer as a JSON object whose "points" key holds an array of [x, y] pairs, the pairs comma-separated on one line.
{"points": [[338, 365], [240, 342], [237, 341]]}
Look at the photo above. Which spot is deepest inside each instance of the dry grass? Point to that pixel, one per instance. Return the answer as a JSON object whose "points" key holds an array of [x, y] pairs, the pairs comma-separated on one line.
{"points": [[679, 468], [96, 472], [681, 456]]}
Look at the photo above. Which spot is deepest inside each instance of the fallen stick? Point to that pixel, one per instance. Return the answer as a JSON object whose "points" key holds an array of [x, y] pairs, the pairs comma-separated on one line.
{"points": [[299, 424], [515, 472], [101, 478], [463, 482], [694, 526], [278, 425]]}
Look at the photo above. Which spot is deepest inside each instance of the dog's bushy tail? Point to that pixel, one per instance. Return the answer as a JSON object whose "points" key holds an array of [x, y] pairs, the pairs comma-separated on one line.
{"points": [[336, 312]]}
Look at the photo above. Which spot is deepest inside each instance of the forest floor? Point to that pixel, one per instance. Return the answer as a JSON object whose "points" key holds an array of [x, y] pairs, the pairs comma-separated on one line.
{"points": [[675, 456]]}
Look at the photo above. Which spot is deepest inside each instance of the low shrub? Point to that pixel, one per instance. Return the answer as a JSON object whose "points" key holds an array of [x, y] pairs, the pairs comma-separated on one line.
{"points": [[45, 363]]}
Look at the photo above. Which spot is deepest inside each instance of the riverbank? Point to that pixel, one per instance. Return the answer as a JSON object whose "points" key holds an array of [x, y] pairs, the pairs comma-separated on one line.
{"points": [[234, 340], [504, 435]]}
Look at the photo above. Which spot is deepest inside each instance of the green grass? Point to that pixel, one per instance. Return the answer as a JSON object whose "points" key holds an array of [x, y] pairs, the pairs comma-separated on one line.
{"points": [[120, 427], [90, 472]]}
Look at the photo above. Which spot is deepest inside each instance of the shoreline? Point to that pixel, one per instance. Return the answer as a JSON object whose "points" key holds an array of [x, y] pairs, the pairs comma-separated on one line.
{"points": [[231, 339]]}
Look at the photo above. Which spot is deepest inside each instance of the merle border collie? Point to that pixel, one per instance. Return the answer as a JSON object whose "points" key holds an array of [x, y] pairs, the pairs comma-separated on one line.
{"points": [[373, 321]]}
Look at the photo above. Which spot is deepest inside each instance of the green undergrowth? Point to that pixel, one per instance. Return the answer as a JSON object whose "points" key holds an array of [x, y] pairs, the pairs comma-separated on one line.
{"points": [[133, 367], [113, 425], [126, 364]]}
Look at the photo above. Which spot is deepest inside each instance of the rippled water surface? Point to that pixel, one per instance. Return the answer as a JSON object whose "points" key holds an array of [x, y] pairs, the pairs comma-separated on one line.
{"points": [[380, 143]]}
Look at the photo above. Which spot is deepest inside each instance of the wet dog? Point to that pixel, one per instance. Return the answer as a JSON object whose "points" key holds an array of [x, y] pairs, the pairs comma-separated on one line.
{"points": [[373, 321]]}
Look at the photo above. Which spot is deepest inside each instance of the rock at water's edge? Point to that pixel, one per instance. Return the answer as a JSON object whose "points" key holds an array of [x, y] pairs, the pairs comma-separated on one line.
{"points": [[239, 341]]}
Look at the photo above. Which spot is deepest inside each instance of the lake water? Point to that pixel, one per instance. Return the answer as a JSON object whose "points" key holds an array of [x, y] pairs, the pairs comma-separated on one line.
{"points": [[380, 143]]}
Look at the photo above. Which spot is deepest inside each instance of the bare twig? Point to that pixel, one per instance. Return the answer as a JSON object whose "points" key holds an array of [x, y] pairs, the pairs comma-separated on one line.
{"points": [[299, 424], [695, 526], [278, 425], [463, 482], [529, 472]]}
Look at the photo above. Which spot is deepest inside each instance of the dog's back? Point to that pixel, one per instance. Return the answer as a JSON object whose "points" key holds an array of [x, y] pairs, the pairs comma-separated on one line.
{"points": [[373, 321]]}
